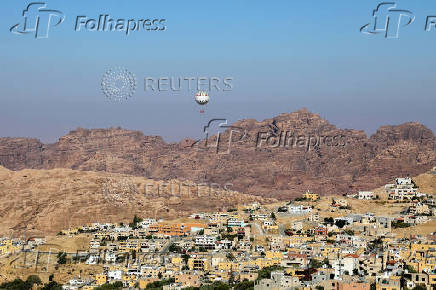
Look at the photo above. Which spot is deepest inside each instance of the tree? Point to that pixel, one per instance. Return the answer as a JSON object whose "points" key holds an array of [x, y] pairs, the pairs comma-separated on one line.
{"points": [[111, 286], [232, 278], [244, 285], [410, 269], [185, 258], [17, 284], [174, 249], [34, 279], [265, 273], [273, 216], [355, 272], [53, 285], [399, 224], [340, 223], [135, 222], [349, 232], [314, 263], [329, 220], [159, 284], [62, 258]]}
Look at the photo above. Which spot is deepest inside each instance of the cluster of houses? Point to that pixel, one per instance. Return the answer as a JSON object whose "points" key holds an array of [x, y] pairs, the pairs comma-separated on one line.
{"points": [[10, 246], [403, 189], [288, 246], [352, 251]]}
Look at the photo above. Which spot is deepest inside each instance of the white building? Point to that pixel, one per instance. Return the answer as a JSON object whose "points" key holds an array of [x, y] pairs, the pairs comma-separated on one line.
{"points": [[224, 245], [403, 189], [314, 217], [114, 274], [403, 181], [365, 195], [92, 259], [259, 216], [94, 244], [205, 241], [344, 266], [267, 223], [299, 209], [146, 223], [110, 257], [235, 223], [297, 225], [415, 219]]}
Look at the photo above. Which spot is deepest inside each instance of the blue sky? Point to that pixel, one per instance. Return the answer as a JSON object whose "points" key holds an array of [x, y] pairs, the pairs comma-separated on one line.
{"points": [[282, 55]]}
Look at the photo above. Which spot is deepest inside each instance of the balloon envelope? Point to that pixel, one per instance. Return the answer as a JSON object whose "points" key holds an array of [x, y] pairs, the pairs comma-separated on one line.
{"points": [[202, 98]]}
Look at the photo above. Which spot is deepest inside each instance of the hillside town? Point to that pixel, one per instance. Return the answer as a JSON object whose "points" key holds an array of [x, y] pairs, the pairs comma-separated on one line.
{"points": [[363, 240]]}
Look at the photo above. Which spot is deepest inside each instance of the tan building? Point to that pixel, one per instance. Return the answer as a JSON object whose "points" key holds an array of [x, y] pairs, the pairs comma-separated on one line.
{"points": [[199, 264], [311, 196], [388, 283]]}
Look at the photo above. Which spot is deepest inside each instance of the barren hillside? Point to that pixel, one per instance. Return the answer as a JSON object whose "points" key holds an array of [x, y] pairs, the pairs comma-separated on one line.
{"points": [[46, 201]]}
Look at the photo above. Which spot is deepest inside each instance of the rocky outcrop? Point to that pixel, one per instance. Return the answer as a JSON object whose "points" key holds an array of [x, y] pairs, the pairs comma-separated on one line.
{"points": [[278, 157]]}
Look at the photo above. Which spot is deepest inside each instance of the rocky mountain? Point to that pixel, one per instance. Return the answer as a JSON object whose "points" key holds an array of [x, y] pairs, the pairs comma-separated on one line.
{"points": [[278, 157]]}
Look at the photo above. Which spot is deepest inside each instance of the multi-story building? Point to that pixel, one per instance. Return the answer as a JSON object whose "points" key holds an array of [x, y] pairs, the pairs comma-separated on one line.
{"points": [[402, 189], [204, 241], [169, 229]]}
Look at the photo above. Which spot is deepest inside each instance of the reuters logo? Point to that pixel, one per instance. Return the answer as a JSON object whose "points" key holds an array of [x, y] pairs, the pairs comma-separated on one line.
{"points": [[118, 84]]}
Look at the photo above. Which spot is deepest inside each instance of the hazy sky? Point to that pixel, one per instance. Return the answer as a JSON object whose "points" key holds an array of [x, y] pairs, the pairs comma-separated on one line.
{"points": [[282, 55]]}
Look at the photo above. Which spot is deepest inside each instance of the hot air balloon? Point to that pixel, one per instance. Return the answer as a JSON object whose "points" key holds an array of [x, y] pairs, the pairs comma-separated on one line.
{"points": [[202, 98]]}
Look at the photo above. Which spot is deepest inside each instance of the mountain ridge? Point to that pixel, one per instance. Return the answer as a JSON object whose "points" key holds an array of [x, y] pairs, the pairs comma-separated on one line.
{"points": [[254, 164]]}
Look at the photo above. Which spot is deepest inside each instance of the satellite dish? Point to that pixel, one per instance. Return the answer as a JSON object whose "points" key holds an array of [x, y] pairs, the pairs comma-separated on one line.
{"points": [[202, 98]]}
